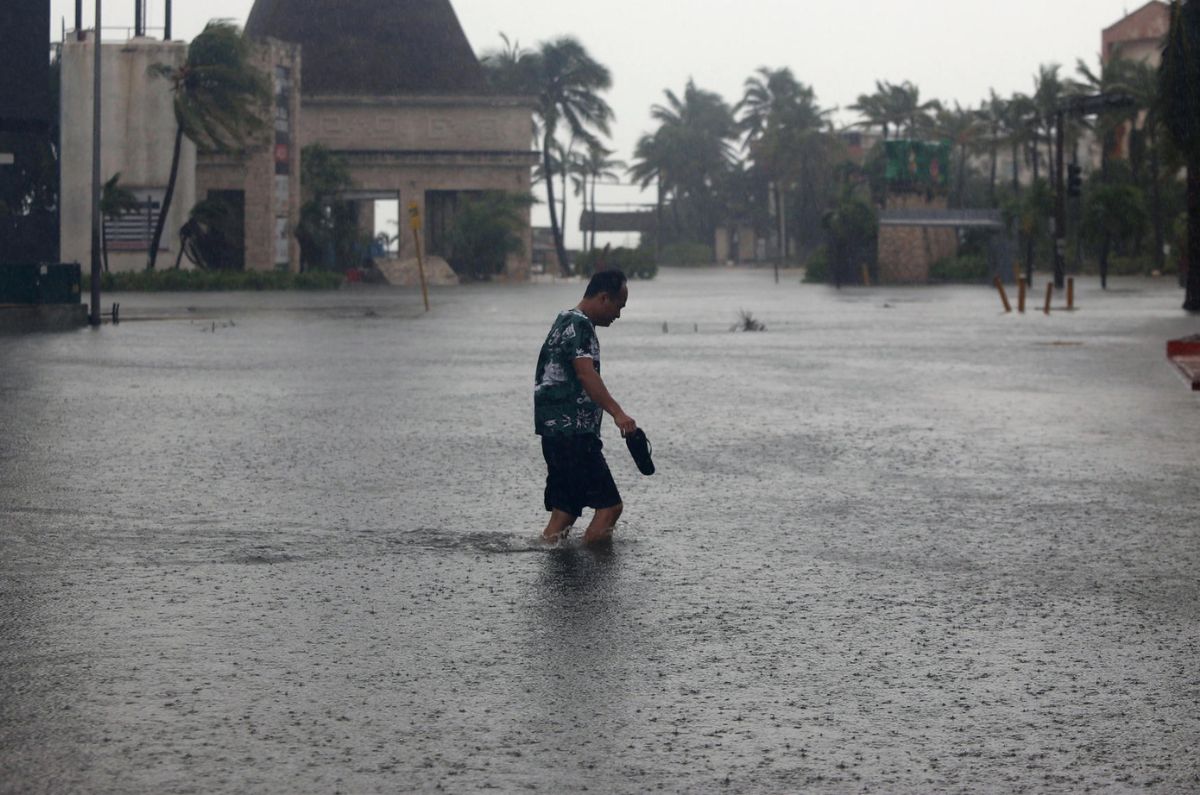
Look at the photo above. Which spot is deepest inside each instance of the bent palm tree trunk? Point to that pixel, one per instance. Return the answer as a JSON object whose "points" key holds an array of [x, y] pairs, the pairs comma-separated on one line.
{"points": [[166, 202], [561, 250]]}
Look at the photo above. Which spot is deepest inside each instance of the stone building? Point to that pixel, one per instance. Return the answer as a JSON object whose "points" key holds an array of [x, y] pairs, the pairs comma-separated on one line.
{"points": [[396, 91], [390, 86], [261, 187]]}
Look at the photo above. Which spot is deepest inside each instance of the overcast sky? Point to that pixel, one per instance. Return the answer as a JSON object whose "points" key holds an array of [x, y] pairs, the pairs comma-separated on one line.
{"points": [[953, 51]]}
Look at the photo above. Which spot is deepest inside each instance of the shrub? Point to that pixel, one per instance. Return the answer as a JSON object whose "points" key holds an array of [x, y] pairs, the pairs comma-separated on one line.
{"points": [[687, 255], [486, 230], [816, 270], [963, 268], [213, 281], [636, 263]]}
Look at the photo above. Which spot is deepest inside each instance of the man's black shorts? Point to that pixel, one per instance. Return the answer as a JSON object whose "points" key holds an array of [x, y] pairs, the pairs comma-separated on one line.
{"points": [[577, 475]]}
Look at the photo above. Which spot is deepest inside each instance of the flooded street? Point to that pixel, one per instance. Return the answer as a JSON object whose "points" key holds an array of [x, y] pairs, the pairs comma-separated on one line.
{"points": [[898, 542]]}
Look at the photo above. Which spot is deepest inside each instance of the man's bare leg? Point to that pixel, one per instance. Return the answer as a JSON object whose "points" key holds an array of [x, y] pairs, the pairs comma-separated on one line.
{"points": [[603, 523], [556, 528]]}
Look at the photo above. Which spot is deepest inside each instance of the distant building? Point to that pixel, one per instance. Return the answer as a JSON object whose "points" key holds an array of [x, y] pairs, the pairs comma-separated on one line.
{"points": [[394, 88], [1137, 36]]}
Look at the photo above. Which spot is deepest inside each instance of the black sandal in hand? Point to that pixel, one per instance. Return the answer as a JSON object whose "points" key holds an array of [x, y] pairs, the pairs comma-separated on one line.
{"points": [[639, 448]]}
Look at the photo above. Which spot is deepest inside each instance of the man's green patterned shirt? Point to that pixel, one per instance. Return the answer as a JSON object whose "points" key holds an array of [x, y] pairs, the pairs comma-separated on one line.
{"points": [[560, 404]]}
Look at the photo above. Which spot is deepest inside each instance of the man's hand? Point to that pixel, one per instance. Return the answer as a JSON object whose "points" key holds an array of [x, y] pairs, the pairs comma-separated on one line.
{"points": [[625, 423]]}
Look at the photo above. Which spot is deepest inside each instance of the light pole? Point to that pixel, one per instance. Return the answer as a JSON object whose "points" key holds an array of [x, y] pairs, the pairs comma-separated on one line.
{"points": [[94, 317]]}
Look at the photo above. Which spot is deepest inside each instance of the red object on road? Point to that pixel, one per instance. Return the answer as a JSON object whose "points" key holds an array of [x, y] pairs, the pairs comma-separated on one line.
{"points": [[1185, 355]]}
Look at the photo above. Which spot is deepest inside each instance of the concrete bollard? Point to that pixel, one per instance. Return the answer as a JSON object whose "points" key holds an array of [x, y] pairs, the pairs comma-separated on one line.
{"points": [[1003, 296]]}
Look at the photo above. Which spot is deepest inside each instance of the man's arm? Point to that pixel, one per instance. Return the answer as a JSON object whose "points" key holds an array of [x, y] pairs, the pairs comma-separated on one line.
{"points": [[593, 384]]}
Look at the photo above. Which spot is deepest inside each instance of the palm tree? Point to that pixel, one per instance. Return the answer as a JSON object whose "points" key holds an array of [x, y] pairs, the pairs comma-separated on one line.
{"points": [[871, 108], [115, 201], [904, 102], [1179, 95], [1111, 125], [696, 133], [786, 134], [1142, 84], [963, 128], [568, 83], [1019, 125], [652, 163], [1048, 93], [220, 101], [992, 114], [594, 166]]}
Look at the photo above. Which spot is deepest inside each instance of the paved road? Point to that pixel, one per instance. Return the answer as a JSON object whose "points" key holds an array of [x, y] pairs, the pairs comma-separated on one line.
{"points": [[899, 542]]}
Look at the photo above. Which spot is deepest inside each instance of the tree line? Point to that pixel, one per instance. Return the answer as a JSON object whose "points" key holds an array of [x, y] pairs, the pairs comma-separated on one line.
{"points": [[777, 149]]}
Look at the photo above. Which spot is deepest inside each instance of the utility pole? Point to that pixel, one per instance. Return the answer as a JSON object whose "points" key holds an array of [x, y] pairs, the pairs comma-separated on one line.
{"points": [[1060, 204], [94, 317], [782, 232]]}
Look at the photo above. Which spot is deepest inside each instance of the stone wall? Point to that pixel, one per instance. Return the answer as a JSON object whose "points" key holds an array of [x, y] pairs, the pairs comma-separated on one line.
{"points": [[272, 200], [906, 253]]}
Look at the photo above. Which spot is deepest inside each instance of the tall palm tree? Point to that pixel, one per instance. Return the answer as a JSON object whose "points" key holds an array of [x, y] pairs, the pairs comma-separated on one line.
{"points": [[873, 111], [1142, 84], [1020, 114], [1110, 125], [1049, 90], [594, 166], [963, 128], [993, 114], [220, 101], [652, 164], [1179, 93], [904, 101], [568, 85], [787, 134], [696, 134]]}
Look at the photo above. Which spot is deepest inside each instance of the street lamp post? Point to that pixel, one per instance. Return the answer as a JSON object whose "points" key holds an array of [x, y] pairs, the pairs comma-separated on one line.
{"points": [[94, 317], [1060, 204]]}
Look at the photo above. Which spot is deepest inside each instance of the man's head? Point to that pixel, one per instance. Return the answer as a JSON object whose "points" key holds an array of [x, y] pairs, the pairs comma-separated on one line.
{"points": [[605, 297]]}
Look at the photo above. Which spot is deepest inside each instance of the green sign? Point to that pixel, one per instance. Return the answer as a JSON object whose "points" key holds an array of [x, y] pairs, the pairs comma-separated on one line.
{"points": [[918, 165]]}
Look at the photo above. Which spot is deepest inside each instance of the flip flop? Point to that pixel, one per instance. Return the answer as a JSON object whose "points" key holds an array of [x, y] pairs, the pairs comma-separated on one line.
{"points": [[639, 448]]}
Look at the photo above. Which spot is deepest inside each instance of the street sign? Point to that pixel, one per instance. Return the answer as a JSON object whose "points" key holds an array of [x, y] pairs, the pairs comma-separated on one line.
{"points": [[1097, 103]]}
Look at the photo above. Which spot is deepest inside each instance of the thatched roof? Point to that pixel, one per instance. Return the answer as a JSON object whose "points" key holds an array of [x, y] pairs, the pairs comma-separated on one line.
{"points": [[373, 47]]}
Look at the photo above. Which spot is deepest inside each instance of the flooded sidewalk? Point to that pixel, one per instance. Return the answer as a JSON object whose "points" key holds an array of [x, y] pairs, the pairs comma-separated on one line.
{"points": [[899, 541]]}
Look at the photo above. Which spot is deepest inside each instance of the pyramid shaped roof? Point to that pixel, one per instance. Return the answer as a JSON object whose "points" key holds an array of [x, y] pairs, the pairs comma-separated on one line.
{"points": [[374, 47]]}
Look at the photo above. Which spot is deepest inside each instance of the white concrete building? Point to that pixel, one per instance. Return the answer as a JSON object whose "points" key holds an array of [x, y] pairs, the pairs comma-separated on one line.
{"points": [[137, 128]]}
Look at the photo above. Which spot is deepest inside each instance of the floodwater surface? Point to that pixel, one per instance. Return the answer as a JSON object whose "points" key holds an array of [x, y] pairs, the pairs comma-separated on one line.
{"points": [[897, 542]]}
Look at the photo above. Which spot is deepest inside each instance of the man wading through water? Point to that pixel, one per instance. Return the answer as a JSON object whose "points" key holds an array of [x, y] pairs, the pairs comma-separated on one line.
{"points": [[569, 401]]}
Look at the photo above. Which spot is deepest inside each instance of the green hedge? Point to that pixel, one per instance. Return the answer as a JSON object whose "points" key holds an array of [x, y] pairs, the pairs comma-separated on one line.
{"points": [[816, 270], [963, 268], [687, 255], [636, 263], [213, 281]]}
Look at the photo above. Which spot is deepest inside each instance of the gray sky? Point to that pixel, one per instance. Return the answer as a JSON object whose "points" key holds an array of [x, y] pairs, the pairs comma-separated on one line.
{"points": [[953, 51]]}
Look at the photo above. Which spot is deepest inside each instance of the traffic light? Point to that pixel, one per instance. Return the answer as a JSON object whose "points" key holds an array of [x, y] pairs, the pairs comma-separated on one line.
{"points": [[1074, 182]]}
